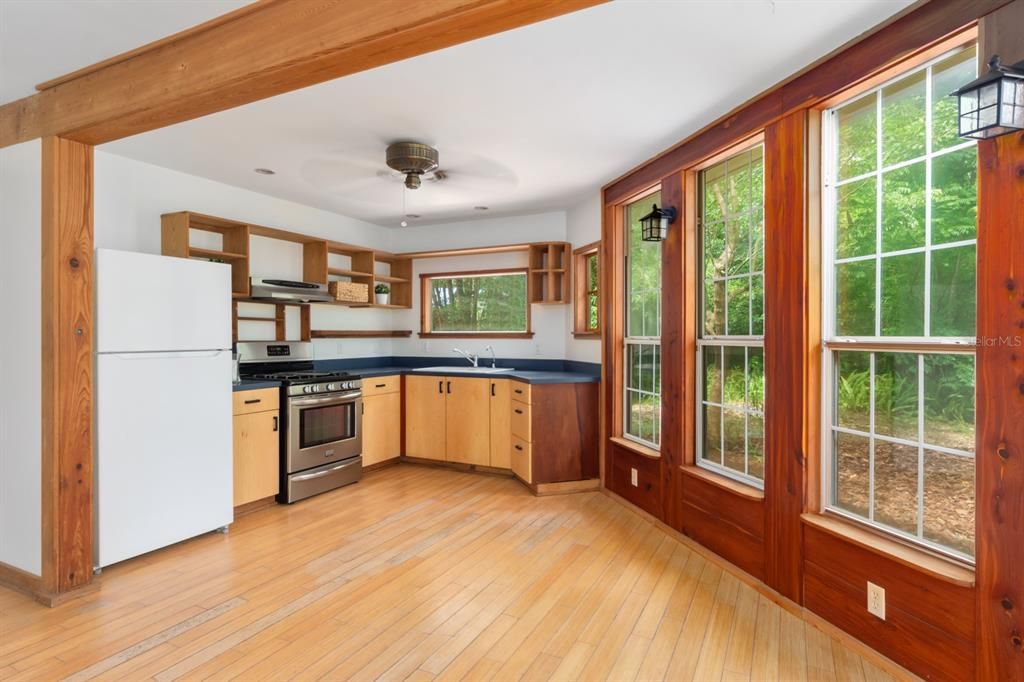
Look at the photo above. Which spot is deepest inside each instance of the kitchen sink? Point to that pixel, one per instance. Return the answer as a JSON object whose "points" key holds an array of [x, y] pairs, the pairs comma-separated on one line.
{"points": [[465, 370]]}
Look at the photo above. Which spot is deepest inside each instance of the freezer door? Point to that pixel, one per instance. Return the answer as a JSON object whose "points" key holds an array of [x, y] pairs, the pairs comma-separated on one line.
{"points": [[159, 303], [163, 457]]}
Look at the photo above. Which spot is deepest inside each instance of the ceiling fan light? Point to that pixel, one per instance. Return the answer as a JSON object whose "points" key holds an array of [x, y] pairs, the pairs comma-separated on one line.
{"points": [[412, 181], [412, 158]]}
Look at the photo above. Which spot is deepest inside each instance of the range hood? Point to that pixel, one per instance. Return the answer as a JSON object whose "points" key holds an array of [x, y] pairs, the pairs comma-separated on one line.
{"points": [[274, 289]]}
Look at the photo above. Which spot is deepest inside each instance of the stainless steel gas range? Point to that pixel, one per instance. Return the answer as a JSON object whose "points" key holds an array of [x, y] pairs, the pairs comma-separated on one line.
{"points": [[321, 418]]}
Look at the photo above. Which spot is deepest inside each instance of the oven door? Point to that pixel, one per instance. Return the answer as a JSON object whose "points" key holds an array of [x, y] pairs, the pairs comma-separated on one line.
{"points": [[323, 429]]}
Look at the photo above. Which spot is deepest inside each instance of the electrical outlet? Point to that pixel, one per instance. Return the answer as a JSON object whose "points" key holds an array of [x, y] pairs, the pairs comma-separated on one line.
{"points": [[876, 600], [632, 477]]}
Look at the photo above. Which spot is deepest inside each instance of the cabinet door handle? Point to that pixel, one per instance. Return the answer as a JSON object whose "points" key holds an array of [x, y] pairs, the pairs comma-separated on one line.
{"points": [[519, 447], [275, 423], [518, 411], [492, 390], [380, 385], [253, 401], [449, 387], [519, 391], [440, 387]]}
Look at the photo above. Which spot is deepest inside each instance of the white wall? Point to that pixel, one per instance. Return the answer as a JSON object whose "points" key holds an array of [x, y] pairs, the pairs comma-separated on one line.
{"points": [[583, 226], [131, 196], [20, 357]]}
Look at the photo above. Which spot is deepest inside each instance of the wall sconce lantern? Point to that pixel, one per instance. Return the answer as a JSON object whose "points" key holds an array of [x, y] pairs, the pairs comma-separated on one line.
{"points": [[654, 225], [993, 104]]}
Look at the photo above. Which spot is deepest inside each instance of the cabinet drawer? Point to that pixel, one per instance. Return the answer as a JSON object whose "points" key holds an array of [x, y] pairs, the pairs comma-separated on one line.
{"points": [[381, 385], [522, 459], [258, 400], [521, 392], [521, 420]]}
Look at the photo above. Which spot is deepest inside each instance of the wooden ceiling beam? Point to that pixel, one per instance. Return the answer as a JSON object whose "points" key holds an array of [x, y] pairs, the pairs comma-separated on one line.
{"points": [[253, 53]]}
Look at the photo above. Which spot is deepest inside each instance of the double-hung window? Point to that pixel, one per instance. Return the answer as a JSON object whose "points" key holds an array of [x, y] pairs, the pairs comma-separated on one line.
{"points": [[730, 339], [900, 213], [642, 342]]}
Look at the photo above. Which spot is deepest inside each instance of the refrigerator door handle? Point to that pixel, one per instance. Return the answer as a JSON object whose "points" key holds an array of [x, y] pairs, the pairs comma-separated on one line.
{"points": [[148, 355]]}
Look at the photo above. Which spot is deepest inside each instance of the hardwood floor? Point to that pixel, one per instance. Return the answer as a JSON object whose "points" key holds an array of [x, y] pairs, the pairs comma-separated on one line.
{"points": [[423, 573]]}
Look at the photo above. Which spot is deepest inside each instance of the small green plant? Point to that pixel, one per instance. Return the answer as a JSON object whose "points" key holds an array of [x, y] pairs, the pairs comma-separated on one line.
{"points": [[382, 289]]}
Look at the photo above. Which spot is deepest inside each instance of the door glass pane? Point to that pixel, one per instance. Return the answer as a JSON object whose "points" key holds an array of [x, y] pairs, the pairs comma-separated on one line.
{"points": [[896, 486], [903, 295], [852, 473]]}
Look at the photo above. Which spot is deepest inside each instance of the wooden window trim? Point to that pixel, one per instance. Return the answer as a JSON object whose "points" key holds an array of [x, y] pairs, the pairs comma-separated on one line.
{"points": [[581, 292], [636, 447], [724, 482], [425, 331]]}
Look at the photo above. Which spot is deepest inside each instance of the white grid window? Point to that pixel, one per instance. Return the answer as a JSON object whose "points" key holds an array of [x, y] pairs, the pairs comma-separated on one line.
{"points": [[642, 342], [730, 343], [900, 214]]}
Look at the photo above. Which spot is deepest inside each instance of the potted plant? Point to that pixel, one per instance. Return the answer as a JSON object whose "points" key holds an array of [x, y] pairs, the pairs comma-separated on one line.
{"points": [[382, 292]]}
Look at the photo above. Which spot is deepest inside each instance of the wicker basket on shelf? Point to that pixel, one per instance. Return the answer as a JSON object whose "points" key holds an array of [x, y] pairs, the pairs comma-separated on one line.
{"points": [[350, 292]]}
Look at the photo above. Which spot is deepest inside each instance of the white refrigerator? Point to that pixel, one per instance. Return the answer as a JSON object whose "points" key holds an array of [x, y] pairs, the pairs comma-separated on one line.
{"points": [[163, 402]]}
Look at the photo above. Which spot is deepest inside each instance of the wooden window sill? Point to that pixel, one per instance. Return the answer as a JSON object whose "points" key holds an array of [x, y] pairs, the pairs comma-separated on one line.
{"points": [[638, 448], [587, 335], [724, 482], [873, 541], [476, 335]]}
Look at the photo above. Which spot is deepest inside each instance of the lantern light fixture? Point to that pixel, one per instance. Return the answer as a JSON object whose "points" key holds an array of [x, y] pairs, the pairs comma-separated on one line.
{"points": [[992, 104], [654, 225]]}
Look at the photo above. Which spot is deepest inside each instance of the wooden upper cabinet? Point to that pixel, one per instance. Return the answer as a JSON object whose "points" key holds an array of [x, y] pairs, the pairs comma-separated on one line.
{"points": [[501, 424], [467, 424], [425, 417]]}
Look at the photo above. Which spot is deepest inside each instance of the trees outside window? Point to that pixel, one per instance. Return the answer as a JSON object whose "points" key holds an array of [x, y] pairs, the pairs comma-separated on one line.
{"points": [[900, 207], [476, 303], [730, 343], [642, 342]]}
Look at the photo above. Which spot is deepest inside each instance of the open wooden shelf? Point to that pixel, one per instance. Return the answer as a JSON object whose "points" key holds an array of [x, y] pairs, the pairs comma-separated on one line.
{"points": [[342, 272], [549, 272], [196, 252], [390, 279], [359, 333]]}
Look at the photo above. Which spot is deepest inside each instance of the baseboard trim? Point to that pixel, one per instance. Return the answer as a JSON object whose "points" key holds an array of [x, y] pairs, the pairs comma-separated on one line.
{"points": [[881, 660], [377, 466], [31, 586], [566, 487], [255, 506], [457, 466]]}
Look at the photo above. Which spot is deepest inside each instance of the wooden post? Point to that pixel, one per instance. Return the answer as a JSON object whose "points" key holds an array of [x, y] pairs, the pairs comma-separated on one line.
{"points": [[67, 382], [673, 354], [1000, 371]]}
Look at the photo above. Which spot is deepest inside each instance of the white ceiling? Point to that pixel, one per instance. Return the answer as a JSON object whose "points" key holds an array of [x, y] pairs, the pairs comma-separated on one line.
{"points": [[529, 120], [44, 39]]}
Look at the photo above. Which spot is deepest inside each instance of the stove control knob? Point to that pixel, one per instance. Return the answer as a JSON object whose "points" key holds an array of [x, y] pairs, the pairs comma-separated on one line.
{"points": [[346, 385], [305, 389]]}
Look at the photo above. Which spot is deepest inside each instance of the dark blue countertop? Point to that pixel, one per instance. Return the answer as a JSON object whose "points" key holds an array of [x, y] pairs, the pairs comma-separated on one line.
{"points": [[528, 376], [531, 371], [253, 384]]}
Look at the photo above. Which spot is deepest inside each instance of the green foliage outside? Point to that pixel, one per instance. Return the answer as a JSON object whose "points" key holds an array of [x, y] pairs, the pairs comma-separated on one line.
{"points": [[643, 319], [492, 303]]}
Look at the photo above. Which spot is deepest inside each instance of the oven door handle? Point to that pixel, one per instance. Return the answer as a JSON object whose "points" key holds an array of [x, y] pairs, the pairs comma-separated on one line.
{"points": [[336, 399], [320, 474]]}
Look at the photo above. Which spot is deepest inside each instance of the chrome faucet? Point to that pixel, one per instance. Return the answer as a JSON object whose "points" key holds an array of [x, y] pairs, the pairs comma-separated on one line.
{"points": [[494, 358], [474, 359]]}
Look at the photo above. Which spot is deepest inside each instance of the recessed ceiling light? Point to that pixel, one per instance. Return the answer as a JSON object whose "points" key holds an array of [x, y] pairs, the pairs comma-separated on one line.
{"points": [[479, 208], [263, 171]]}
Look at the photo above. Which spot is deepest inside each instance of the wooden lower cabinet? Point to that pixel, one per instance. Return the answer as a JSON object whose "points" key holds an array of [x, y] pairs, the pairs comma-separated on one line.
{"points": [[382, 427], [425, 417], [467, 420], [554, 432], [256, 456], [501, 423]]}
